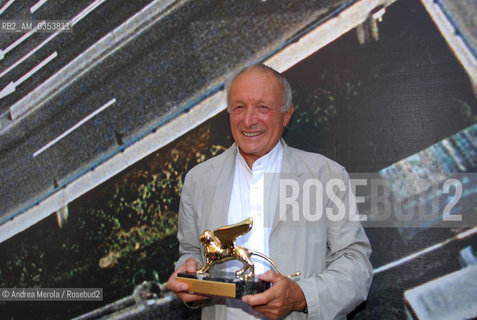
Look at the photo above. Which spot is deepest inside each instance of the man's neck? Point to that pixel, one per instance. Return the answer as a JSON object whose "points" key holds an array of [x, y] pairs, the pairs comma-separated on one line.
{"points": [[250, 158]]}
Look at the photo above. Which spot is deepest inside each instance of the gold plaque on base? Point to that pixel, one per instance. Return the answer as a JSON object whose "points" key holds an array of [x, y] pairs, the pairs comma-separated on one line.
{"points": [[222, 284]]}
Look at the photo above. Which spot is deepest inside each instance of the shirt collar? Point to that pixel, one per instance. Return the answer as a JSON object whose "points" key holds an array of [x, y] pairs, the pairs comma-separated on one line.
{"points": [[265, 163]]}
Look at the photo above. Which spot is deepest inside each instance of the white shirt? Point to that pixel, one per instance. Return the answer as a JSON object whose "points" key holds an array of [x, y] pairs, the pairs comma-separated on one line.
{"points": [[251, 191]]}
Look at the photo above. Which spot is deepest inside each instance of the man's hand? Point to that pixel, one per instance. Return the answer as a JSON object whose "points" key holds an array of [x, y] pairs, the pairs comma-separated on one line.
{"points": [[283, 297], [180, 288]]}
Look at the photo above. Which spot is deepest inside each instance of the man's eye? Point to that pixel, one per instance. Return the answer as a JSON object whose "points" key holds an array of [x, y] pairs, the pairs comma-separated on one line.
{"points": [[237, 108], [263, 108]]}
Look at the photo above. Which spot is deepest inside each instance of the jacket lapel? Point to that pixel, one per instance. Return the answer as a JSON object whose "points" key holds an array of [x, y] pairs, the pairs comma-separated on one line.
{"points": [[221, 182], [289, 170]]}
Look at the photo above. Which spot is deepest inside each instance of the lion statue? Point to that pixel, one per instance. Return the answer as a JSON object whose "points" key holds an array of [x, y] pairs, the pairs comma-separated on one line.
{"points": [[220, 246]]}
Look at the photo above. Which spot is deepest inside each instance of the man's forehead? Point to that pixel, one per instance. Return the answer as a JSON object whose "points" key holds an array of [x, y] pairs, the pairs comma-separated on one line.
{"points": [[258, 73], [245, 79]]}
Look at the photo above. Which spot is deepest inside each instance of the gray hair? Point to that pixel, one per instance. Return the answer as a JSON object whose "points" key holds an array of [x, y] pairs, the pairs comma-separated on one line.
{"points": [[285, 86]]}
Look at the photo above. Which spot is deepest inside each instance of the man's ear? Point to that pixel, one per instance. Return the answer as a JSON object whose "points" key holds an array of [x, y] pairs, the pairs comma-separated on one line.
{"points": [[287, 116]]}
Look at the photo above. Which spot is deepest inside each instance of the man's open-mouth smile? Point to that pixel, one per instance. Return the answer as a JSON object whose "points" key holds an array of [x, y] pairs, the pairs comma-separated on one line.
{"points": [[251, 134]]}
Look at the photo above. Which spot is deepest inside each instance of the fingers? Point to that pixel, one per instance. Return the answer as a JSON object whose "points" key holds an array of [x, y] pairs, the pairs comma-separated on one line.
{"points": [[174, 285], [266, 296], [180, 288], [259, 298], [284, 296]]}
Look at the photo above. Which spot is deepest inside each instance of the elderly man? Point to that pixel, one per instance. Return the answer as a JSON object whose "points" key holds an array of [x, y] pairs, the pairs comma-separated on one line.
{"points": [[250, 179]]}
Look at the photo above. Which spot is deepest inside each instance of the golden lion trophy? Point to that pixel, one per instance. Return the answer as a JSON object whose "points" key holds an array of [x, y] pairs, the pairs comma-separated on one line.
{"points": [[219, 247]]}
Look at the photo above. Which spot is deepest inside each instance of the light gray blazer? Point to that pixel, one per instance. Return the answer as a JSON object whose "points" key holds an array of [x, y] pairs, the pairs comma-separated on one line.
{"points": [[332, 256]]}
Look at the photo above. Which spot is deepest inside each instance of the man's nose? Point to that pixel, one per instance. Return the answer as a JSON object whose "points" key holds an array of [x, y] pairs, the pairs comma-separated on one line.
{"points": [[250, 117]]}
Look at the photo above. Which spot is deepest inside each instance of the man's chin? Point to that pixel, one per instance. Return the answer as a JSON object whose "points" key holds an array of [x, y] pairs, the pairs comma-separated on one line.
{"points": [[246, 151]]}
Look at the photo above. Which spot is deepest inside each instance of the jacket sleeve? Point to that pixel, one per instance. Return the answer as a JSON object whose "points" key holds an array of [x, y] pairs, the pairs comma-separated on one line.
{"points": [[345, 282], [187, 233]]}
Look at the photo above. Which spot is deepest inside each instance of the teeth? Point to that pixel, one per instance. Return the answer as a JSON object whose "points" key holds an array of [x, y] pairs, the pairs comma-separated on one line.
{"points": [[251, 134]]}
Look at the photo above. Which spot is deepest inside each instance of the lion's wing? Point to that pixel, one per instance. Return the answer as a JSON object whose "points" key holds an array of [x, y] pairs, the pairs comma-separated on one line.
{"points": [[228, 234]]}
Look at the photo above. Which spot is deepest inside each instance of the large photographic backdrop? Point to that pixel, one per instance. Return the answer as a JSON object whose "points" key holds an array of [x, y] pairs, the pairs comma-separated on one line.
{"points": [[374, 108]]}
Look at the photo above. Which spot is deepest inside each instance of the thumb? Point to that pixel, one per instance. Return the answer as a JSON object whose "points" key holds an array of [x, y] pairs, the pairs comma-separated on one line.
{"points": [[269, 276], [192, 265]]}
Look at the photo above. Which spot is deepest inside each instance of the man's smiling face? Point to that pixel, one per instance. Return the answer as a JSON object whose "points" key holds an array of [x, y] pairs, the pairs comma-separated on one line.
{"points": [[256, 120]]}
